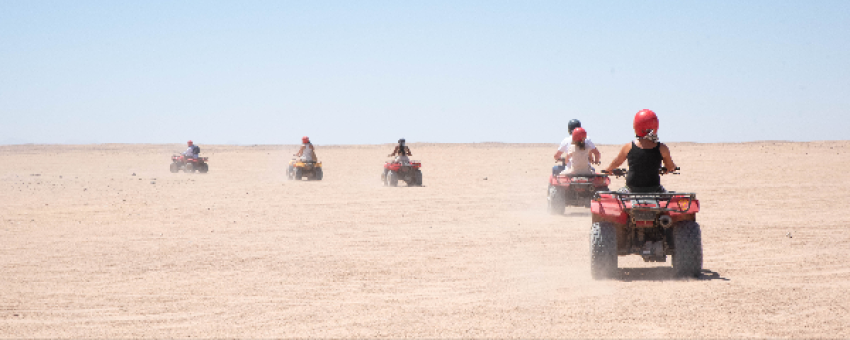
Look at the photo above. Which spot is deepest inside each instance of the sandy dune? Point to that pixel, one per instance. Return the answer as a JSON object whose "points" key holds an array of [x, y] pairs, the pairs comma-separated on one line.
{"points": [[89, 251]]}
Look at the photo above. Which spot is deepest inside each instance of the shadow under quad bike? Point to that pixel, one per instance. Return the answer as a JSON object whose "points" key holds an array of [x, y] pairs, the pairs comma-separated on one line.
{"points": [[189, 164], [408, 172], [298, 169], [573, 190], [652, 225]]}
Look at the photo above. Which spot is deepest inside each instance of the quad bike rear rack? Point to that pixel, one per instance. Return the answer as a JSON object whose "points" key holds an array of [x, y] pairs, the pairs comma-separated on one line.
{"points": [[650, 201], [412, 162], [588, 175]]}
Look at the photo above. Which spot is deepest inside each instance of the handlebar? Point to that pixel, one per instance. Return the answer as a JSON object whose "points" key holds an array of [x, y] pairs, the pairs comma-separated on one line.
{"points": [[663, 171], [615, 172], [622, 172]]}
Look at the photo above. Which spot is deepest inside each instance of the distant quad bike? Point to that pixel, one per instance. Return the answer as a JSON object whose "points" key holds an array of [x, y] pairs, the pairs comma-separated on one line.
{"points": [[188, 164], [652, 225], [299, 169], [574, 190], [408, 172]]}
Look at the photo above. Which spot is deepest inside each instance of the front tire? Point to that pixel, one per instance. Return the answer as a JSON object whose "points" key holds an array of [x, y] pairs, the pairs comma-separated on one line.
{"points": [[298, 174], [687, 254], [557, 200], [603, 250], [190, 168], [318, 174]]}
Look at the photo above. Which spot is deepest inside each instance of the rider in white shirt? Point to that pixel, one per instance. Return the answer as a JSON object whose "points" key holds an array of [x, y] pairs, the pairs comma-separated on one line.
{"points": [[306, 152], [594, 154], [578, 155], [191, 151]]}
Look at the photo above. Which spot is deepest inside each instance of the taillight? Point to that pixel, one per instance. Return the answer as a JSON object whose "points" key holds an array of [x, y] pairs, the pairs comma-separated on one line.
{"points": [[684, 203]]}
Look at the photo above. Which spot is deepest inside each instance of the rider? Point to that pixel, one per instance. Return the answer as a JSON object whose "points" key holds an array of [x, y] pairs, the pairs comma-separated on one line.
{"points": [[645, 155], [192, 151], [306, 152], [578, 154], [595, 156], [402, 152]]}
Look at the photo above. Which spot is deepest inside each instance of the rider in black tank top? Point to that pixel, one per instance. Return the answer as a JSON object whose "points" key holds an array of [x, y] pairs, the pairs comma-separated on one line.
{"points": [[644, 163], [643, 167]]}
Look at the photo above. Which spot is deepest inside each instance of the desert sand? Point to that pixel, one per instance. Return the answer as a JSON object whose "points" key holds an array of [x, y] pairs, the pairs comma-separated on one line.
{"points": [[88, 250]]}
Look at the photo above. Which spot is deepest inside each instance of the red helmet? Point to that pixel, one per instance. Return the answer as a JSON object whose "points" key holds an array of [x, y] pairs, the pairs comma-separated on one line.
{"points": [[305, 139], [579, 134], [189, 142], [646, 123]]}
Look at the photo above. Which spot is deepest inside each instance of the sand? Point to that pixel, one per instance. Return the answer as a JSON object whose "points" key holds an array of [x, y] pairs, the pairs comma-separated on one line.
{"points": [[88, 250]]}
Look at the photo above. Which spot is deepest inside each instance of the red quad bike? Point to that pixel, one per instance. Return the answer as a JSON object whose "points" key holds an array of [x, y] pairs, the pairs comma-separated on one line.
{"points": [[574, 190], [405, 171], [652, 225], [188, 164]]}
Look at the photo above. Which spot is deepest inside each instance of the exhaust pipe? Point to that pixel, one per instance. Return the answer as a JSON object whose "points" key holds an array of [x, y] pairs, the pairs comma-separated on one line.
{"points": [[665, 221]]}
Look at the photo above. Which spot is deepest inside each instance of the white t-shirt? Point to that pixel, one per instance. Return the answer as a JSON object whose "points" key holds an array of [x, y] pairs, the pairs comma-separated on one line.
{"points": [[565, 146], [307, 155], [190, 152], [579, 162]]}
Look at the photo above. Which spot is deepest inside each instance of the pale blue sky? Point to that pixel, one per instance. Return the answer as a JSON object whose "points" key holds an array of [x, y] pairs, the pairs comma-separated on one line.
{"points": [[356, 72]]}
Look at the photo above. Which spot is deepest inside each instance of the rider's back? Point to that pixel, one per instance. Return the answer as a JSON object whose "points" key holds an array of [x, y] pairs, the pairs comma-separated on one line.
{"points": [[643, 167], [309, 154], [579, 160]]}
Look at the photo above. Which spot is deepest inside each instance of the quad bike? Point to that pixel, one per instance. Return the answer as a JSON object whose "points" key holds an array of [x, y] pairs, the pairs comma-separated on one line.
{"points": [[574, 190], [652, 225], [299, 169], [405, 171], [189, 164]]}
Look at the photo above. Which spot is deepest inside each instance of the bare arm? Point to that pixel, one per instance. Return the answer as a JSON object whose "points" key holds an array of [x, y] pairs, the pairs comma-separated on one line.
{"points": [[624, 153], [668, 161], [300, 152], [558, 155], [595, 156], [395, 151], [406, 149]]}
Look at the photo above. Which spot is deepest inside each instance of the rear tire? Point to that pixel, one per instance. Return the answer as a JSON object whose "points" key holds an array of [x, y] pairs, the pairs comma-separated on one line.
{"points": [[318, 174], [557, 200], [190, 168], [204, 168], [417, 178], [384, 178], [392, 178], [687, 254], [603, 250], [298, 173], [174, 167]]}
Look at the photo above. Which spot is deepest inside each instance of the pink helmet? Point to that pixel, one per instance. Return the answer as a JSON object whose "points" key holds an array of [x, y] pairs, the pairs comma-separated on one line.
{"points": [[190, 142]]}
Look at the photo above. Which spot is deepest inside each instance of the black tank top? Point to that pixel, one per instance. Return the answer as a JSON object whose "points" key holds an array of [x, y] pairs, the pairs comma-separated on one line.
{"points": [[643, 167]]}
